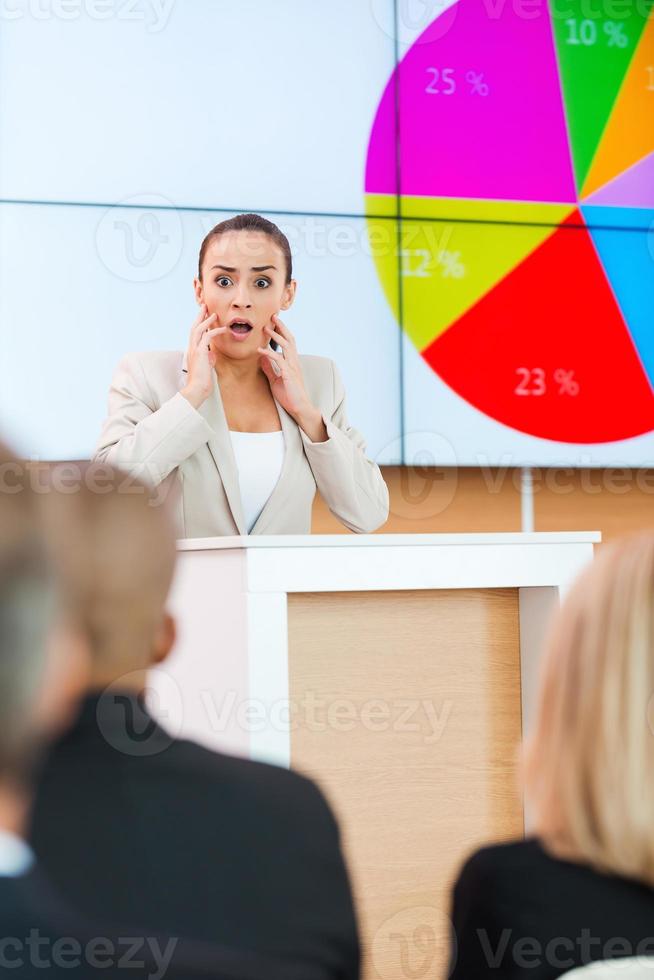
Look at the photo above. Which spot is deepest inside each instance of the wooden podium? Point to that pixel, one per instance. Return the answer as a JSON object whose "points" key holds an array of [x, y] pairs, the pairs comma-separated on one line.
{"points": [[398, 671]]}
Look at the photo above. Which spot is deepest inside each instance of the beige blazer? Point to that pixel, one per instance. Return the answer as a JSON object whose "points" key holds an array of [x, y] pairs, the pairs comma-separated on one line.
{"points": [[154, 433]]}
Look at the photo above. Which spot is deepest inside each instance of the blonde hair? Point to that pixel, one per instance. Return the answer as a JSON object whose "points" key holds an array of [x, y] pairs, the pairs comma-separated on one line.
{"points": [[589, 764]]}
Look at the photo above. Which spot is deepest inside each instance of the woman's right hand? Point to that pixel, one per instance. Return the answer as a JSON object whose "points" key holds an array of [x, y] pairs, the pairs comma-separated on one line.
{"points": [[200, 360]]}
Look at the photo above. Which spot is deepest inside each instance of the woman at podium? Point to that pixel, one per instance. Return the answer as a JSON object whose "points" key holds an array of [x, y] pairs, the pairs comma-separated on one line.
{"points": [[241, 426]]}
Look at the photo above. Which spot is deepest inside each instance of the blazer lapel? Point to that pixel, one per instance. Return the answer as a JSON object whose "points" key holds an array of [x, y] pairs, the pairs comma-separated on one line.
{"points": [[220, 446]]}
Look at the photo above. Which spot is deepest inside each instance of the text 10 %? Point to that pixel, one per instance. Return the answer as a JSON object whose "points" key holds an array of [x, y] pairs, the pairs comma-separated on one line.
{"points": [[585, 33]]}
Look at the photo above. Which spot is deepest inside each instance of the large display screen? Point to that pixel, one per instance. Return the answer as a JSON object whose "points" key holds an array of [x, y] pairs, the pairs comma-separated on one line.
{"points": [[468, 191]]}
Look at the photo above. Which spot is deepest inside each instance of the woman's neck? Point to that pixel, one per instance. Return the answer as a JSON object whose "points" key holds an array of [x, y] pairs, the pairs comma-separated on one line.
{"points": [[242, 372]]}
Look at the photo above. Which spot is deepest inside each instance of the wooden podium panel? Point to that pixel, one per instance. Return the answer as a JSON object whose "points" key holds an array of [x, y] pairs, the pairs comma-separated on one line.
{"points": [[409, 718]]}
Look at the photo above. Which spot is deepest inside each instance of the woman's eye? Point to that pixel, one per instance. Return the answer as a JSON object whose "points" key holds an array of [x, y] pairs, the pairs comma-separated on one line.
{"points": [[222, 280]]}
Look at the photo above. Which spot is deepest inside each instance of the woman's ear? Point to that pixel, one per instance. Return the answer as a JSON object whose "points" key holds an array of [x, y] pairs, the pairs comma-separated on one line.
{"points": [[289, 295], [199, 293]]}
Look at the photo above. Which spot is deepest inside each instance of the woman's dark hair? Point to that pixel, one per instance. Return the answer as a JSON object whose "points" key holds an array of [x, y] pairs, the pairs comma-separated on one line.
{"points": [[250, 222]]}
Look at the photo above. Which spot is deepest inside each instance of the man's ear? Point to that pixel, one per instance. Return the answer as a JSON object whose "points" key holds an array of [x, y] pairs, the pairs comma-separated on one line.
{"points": [[164, 639]]}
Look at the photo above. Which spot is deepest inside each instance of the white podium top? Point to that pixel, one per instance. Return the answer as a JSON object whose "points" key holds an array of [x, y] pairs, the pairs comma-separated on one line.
{"points": [[385, 540], [362, 562]]}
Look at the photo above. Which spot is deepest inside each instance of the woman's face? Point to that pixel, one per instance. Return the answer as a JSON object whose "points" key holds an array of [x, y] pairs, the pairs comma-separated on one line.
{"points": [[243, 278]]}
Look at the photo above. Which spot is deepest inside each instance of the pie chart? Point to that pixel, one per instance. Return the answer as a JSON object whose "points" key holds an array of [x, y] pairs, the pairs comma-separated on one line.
{"points": [[512, 154]]}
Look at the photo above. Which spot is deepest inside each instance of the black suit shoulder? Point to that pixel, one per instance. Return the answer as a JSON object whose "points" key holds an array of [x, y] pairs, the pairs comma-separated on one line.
{"points": [[41, 934], [254, 781], [520, 912], [246, 795], [513, 868], [284, 798], [194, 842], [158, 760], [498, 864]]}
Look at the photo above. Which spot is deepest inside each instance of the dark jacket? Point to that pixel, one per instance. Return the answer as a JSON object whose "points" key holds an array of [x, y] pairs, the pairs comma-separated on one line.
{"points": [[42, 935], [136, 826], [520, 914]]}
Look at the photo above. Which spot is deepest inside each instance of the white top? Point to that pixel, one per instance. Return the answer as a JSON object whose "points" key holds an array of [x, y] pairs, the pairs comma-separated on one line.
{"points": [[16, 857], [259, 458], [313, 541]]}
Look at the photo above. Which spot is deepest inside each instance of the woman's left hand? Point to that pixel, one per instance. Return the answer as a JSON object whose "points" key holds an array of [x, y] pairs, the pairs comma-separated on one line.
{"points": [[287, 386]]}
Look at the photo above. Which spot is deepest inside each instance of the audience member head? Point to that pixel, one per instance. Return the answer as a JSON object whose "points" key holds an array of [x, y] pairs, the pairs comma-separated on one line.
{"points": [[42, 668], [590, 759], [114, 544]]}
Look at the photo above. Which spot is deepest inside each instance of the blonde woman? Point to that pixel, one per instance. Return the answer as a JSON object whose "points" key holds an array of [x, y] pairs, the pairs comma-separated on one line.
{"points": [[582, 888], [242, 426]]}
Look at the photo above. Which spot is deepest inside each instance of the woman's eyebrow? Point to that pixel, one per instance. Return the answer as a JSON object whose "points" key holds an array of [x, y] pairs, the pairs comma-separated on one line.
{"points": [[255, 268]]}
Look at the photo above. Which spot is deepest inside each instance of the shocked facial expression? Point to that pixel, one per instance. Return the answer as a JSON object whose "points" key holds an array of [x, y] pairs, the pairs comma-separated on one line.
{"points": [[244, 284]]}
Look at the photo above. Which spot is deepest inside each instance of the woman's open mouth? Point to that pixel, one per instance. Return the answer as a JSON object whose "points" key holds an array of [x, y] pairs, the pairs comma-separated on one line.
{"points": [[240, 328]]}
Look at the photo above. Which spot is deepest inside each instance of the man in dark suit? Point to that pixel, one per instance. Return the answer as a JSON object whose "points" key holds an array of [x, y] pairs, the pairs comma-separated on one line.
{"points": [[43, 671], [186, 840]]}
